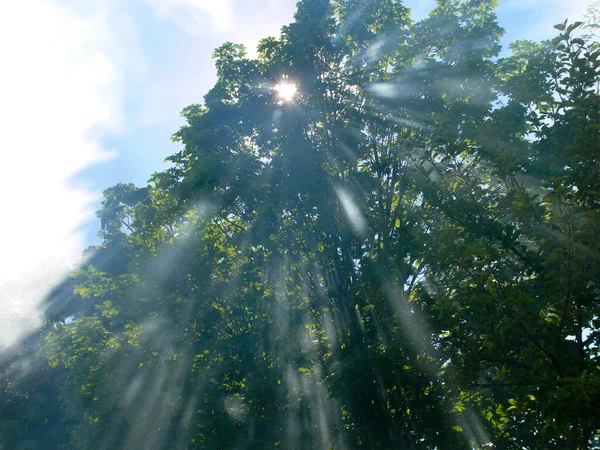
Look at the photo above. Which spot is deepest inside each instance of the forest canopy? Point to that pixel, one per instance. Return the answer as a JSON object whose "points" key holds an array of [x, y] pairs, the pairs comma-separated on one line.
{"points": [[378, 233]]}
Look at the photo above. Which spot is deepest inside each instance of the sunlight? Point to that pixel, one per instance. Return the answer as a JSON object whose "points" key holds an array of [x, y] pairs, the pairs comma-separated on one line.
{"points": [[286, 91], [38, 255], [352, 210]]}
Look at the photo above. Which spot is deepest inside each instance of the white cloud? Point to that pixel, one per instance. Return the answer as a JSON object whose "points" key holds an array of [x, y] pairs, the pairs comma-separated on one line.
{"points": [[61, 90], [193, 14]]}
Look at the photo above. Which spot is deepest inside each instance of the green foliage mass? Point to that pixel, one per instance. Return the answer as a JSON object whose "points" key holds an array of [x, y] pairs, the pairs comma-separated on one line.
{"points": [[405, 255]]}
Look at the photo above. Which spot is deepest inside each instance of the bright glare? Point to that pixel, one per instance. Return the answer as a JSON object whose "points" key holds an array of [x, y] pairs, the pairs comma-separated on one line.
{"points": [[79, 97], [286, 91]]}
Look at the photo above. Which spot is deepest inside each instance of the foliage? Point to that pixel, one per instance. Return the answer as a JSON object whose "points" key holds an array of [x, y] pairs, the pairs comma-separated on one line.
{"points": [[405, 255]]}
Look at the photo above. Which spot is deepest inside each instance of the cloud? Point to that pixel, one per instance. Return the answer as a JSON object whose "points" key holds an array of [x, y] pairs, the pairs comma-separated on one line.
{"points": [[61, 91], [193, 14]]}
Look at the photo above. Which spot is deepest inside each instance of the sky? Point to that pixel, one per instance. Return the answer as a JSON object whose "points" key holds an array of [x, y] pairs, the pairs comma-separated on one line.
{"points": [[90, 94]]}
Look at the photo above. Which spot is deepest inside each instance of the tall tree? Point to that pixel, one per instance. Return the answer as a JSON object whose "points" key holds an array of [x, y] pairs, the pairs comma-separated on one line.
{"points": [[376, 234]]}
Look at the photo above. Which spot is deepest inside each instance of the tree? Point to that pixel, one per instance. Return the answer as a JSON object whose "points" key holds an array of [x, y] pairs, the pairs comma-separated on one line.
{"points": [[402, 255]]}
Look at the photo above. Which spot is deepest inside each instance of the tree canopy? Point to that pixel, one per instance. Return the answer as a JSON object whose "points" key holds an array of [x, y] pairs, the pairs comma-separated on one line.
{"points": [[402, 251]]}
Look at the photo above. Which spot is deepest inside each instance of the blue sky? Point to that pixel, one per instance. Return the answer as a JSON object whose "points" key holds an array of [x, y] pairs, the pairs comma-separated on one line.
{"points": [[91, 92]]}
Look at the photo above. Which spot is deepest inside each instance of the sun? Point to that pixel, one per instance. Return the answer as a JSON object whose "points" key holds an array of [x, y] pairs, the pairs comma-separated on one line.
{"points": [[286, 91]]}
